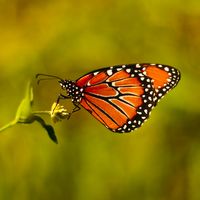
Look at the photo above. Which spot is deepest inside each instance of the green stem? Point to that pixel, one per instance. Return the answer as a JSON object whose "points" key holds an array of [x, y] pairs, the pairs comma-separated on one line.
{"points": [[12, 123], [41, 112]]}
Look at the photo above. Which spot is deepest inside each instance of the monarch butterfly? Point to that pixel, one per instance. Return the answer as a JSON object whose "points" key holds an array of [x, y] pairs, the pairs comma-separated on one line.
{"points": [[121, 97]]}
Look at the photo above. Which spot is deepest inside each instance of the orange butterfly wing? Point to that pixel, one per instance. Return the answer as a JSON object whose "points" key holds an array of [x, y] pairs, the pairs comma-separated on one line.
{"points": [[119, 97]]}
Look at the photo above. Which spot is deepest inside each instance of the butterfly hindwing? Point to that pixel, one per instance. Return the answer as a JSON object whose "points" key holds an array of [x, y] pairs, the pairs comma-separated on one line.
{"points": [[164, 78]]}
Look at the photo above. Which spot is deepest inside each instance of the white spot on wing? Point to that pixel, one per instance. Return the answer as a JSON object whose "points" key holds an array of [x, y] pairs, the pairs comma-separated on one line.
{"points": [[142, 78], [166, 69], [95, 73], [138, 66], [129, 122], [145, 73], [109, 72]]}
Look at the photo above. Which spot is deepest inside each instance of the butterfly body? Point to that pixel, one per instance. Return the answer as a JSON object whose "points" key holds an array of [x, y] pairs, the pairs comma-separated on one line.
{"points": [[121, 97]]}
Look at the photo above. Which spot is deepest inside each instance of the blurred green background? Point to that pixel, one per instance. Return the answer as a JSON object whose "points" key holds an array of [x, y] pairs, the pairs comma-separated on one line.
{"points": [[161, 160]]}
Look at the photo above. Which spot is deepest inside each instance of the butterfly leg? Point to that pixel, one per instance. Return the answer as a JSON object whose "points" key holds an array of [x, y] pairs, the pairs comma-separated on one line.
{"points": [[76, 108], [61, 97]]}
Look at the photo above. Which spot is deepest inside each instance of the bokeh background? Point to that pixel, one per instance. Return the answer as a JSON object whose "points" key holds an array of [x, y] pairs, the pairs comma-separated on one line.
{"points": [[161, 160]]}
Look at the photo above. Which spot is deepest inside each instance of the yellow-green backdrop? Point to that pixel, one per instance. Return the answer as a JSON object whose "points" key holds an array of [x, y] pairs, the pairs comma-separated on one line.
{"points": [[159, 161]]}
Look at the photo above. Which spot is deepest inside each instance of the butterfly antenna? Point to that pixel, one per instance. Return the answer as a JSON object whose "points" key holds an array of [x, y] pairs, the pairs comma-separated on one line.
{"points": [[43, 77]]}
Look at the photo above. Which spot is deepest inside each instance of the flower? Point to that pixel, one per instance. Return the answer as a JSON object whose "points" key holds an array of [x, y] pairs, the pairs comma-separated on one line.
{"points": [[58, 112]]}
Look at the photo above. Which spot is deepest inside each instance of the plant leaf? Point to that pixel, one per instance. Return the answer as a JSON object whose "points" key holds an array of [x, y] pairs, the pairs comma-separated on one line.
{"points": [[24, 112], [48, 128]]}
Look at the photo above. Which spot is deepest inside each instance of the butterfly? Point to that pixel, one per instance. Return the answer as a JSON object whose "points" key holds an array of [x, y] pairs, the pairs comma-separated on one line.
{"points": [[121, 97]]}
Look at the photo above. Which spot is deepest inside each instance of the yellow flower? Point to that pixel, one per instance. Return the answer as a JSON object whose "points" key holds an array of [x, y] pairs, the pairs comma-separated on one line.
{"points": [[58, 112]]}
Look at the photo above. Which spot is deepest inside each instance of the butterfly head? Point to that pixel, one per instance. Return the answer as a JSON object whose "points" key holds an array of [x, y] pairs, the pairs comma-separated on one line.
{"points": [[72, 90], [65, 84]]}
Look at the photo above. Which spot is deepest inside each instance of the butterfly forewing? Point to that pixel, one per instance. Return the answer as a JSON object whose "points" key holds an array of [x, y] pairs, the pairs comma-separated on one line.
{"points": [[120, 97]]}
